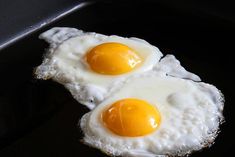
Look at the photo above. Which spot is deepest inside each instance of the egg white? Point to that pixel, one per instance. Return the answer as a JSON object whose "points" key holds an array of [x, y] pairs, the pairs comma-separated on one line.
{"points": [[191, 113], [64, 62]]}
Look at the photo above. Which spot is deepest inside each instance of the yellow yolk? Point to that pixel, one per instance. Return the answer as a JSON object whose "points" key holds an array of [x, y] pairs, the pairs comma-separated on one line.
{"points": [[131, 117], [112, 58]]}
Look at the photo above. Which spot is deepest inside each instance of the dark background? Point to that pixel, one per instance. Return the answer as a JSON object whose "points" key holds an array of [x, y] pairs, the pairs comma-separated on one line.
{"points": [[39, 118]]}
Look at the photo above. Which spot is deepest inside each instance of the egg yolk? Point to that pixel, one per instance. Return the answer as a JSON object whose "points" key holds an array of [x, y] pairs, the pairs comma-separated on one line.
{"points": [[112, 58], [131, 117]]}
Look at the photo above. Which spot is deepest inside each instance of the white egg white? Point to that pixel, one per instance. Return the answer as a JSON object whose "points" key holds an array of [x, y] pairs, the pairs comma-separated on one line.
{"points": [[191, 113], [64, 62]]}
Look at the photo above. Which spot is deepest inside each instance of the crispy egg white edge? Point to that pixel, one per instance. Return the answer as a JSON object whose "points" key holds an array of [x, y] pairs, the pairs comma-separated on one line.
{"points": [[91, 95], [217, 98]]}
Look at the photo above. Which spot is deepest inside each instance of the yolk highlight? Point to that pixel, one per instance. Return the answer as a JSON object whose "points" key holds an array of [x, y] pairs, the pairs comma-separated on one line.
{"points": [[131, 117], [112, 58]]}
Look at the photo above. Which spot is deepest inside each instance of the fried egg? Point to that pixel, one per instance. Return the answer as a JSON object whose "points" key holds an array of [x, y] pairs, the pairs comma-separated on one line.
{"points": [[143, 104], [92, 66], [154, 115]]}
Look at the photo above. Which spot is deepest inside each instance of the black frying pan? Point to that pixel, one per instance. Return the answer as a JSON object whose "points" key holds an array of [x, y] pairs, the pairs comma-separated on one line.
{"points": [[39, 118]]}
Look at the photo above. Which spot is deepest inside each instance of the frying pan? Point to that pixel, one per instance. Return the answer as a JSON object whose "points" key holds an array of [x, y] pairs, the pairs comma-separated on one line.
{"points": [[40, 118]]}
